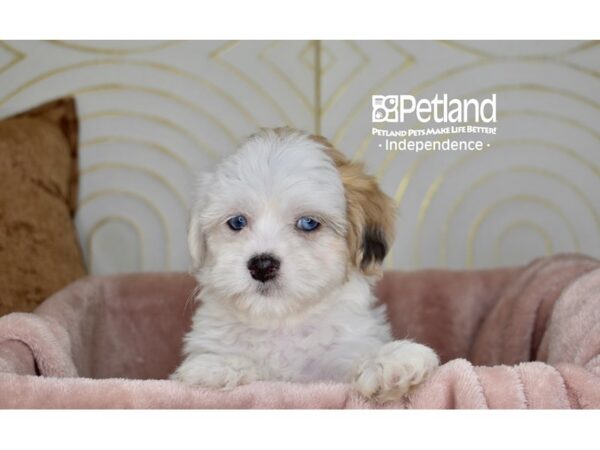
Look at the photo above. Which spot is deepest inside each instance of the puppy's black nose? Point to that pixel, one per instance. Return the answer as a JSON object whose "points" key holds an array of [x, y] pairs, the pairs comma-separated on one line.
{"points": [[263, 267]]}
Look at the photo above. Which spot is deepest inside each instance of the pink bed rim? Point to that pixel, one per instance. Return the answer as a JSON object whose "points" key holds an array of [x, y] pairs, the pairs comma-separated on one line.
{"points": [[520, 337]]}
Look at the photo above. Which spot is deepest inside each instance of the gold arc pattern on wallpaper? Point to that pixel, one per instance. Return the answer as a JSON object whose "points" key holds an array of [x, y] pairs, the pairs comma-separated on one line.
{"points": [[522, 224], [147, 64], [101, 193], [482, 217], [490, 176], [435, 186], [120, 113], [112, 218], [109, 139], [162, 181]]}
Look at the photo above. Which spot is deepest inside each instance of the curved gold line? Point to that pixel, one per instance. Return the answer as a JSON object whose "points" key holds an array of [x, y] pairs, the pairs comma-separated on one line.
{"points": [[408, 61], [18, 56], [527, 57], [560, 148], [406, 179], [549, 247], [123, 87], [123, 192], [151, 173], [455, 45], [216, 55], [344, 85], [486, 178], [553, 116], [474, 229], [118, 113], [262, 56], [147, 64], [579, 68], [202, 81], [128, 140], [114, 218], [112, 51]]}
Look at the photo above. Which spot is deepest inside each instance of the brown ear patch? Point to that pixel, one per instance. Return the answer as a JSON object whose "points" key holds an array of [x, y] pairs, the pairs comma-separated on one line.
{"points": [[370, 212], [374, 247]]}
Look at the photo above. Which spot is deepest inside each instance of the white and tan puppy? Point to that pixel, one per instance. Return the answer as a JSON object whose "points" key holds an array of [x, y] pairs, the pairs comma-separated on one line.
{"points": [[287, 239]]}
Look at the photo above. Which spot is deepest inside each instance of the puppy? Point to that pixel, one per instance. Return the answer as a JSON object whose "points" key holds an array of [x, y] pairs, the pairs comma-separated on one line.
{"points": [[287, 239]]}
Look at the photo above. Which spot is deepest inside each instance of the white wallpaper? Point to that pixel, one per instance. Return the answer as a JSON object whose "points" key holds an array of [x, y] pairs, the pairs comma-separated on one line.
{"points": [[153, 113]]}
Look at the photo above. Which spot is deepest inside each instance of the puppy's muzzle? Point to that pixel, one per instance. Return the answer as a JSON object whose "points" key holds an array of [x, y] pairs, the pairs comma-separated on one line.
{"points": [[263, 267]]}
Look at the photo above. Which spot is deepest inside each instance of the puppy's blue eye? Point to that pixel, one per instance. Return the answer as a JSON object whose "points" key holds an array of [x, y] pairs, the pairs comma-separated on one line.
{"points": [[237, 223], [307, 224]]}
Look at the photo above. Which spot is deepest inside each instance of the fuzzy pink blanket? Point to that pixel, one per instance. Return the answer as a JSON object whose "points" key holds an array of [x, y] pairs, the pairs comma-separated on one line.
{"points": [[524, 337]]}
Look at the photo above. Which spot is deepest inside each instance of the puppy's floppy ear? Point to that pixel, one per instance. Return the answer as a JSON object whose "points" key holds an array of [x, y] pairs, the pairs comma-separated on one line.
{"points": [[370, 213], [196, 237]]}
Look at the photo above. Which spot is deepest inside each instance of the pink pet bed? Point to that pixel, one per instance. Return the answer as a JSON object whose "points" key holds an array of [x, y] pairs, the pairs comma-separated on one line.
{"points": [[523, 337]]}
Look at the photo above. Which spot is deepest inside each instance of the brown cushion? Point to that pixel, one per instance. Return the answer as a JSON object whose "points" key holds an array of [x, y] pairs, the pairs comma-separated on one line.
{"points": [[39, 251]]}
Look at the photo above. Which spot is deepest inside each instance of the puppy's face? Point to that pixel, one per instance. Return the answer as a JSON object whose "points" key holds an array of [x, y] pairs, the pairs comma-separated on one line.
{"points": [[276, 226]]}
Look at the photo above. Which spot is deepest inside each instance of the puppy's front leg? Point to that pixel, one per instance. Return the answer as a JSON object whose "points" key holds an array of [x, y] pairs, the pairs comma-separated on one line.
{"points": [[216, 371], [394, 369]]}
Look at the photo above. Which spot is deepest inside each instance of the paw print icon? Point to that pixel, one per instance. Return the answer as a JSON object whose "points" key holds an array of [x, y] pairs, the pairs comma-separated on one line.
{"points": [[385, 108]]}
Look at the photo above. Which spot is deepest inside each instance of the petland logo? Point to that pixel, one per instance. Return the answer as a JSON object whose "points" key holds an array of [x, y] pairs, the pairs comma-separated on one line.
{"points": [[399, 108], [456, 123]]}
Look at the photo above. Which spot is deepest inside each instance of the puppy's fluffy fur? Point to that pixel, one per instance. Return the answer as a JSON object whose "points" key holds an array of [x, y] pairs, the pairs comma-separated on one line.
{"points": [[315, 320]]}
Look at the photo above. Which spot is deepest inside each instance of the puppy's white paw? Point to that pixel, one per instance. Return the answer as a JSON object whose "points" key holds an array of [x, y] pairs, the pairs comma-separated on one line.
{"points": [[216, 371], [396, 367]]}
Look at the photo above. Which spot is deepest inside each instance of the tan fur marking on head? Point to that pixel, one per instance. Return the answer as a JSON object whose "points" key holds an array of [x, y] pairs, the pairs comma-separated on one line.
{"points": [[370, 212]]}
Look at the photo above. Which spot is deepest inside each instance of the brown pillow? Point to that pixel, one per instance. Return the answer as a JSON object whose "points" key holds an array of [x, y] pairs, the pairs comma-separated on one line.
{"points": [[39, 252]]}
